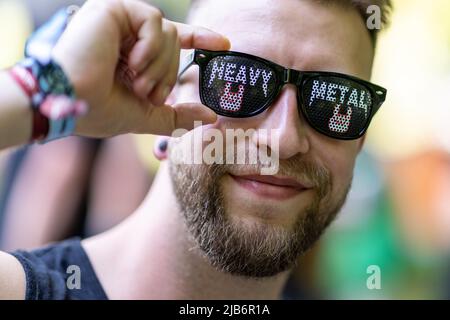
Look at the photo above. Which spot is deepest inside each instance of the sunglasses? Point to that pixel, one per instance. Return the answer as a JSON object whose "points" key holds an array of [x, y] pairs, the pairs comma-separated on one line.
{"points": [[240, 85]]}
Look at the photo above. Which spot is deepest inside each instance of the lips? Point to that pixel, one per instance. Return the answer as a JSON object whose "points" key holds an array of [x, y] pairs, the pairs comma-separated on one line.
{"points": [[279, 188]]}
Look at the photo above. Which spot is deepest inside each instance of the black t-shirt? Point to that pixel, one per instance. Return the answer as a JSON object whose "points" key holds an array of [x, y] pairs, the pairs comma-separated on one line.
{"points": [[49, 270], [47, 274]]}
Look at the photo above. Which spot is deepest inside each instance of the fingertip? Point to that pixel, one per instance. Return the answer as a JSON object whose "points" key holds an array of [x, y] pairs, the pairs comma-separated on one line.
{"points": [[211, 40], [227, 43], [196, 37], [214, 39]]}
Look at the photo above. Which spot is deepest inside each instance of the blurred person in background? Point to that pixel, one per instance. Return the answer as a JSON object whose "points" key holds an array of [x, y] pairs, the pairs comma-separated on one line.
{"points": [[86, 175]]}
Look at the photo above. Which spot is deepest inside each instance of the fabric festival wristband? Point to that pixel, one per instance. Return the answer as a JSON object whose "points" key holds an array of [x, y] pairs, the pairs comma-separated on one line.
{"points": [[50, 77], [25, 79], [52, 81]]}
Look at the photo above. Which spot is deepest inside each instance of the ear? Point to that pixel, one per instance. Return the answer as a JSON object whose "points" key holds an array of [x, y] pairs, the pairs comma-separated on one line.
{"points": [[160, 149]]}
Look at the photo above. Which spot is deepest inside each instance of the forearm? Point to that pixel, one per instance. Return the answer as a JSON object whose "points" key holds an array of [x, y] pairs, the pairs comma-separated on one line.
{"points": [[15, 113]]}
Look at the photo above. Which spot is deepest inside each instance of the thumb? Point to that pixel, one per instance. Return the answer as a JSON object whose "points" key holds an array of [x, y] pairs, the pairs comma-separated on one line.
{"points": [[164, 120], [194, 37]]}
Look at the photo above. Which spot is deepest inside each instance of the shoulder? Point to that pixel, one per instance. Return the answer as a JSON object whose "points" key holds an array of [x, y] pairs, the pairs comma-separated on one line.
{"points": [[59, 272], [12, 278]]}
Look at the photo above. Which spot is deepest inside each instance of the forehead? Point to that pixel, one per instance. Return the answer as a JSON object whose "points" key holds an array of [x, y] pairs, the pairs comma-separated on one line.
{"points": [[298, 34]]}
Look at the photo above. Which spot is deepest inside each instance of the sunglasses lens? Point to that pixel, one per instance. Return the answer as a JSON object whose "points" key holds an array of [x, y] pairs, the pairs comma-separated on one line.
{"points": [[237, 86], [337, 107]]}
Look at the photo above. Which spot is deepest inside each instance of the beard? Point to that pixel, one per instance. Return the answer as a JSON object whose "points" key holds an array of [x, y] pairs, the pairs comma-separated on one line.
{"points": [[255, 249]]}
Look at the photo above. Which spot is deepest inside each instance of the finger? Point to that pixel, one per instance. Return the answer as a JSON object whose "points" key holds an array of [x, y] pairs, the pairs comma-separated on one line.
{"points": [[146, 22], [156, 71], [194, 37], [166, 85], [147, 47], [166, 119]]}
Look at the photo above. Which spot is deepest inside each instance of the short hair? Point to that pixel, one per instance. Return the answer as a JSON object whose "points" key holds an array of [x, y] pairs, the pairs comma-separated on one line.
{"points": [[362, 6]]}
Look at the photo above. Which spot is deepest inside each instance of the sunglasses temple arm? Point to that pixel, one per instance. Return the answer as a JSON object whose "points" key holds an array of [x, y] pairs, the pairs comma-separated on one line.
{"points": [[186, 64], [382, 100]]}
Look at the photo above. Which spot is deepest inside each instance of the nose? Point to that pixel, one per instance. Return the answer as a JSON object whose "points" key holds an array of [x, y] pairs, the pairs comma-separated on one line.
{"points": [[283, 115]]}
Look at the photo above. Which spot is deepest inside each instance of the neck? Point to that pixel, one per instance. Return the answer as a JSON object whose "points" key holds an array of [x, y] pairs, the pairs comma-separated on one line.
{"points": [[154, 257]]}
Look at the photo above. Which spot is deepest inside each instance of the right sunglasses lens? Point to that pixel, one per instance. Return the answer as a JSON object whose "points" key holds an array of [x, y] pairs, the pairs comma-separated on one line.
{"points": [[337, 107], [237, 86]]}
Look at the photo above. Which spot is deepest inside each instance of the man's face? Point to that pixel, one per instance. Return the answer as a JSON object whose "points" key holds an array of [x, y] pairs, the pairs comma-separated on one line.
{"points": [[256, 226]]}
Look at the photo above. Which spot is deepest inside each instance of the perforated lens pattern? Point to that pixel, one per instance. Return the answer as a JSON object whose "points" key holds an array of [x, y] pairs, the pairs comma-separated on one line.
{"points": [[237, 86], [339, 107]]}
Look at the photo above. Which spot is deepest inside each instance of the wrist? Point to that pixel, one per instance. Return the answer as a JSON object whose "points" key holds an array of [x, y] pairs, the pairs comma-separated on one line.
{"points": [[48, 85], [50, 98], [16, 116], [28, 83]]}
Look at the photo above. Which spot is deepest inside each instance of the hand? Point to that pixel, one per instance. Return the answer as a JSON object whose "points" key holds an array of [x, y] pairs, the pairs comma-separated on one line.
{"points": [[122, 57]]}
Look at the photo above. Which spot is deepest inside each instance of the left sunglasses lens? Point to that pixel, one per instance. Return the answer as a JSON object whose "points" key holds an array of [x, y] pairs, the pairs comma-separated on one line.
{"points": [[338, 107], [237, 86]]}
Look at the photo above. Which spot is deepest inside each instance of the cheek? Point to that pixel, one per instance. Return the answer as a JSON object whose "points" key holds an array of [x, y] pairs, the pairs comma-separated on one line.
{"points": [[191, 147], [339, 158], [207, 143], [224, 123], [187, 93]]}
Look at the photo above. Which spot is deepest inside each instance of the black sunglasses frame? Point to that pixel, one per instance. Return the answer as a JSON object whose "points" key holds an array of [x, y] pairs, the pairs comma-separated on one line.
{"points": [[282, 77]]}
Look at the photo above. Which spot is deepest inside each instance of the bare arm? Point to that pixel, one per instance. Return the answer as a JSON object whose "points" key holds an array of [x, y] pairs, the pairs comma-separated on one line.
{"points": [[12, 278], [15, 113]]}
